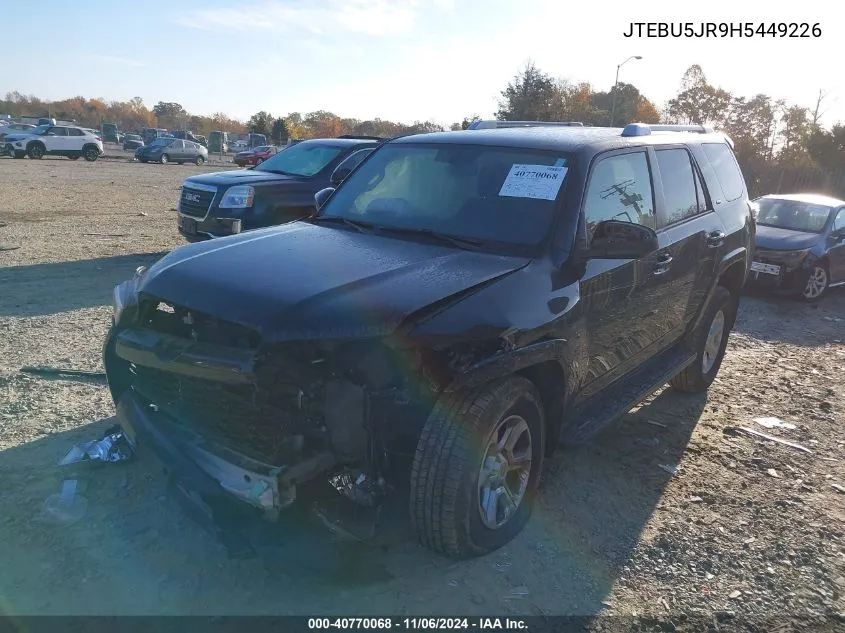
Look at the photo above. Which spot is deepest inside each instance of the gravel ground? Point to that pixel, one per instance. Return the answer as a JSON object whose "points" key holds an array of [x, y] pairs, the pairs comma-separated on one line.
{"points": [[744, 527]]}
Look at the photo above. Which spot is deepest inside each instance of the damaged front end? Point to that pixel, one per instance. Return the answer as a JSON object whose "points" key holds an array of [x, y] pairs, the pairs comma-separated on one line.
{"points": [[233, 416]]}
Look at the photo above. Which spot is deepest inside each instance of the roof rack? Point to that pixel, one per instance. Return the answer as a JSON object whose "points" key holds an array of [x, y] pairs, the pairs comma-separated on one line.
{"points": [[644, 129], [493, 124], [363, 137]]}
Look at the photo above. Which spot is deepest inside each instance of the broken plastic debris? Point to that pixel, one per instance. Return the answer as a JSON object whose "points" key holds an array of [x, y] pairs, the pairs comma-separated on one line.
{"points": [[66, 506], [113, 447], [771, 438], [774, 423], [838, 488]]}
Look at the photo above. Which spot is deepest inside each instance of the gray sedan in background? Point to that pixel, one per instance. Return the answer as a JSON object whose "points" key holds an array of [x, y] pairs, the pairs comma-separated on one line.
{"points": [[172, 150]]}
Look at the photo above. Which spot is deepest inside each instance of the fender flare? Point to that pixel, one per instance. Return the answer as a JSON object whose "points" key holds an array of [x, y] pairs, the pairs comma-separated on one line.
{"points": [[510, 362], [738, 256]]}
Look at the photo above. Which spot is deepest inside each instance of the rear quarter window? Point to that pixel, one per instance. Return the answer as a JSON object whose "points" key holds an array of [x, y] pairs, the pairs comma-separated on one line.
{"points": [[727, 169]]}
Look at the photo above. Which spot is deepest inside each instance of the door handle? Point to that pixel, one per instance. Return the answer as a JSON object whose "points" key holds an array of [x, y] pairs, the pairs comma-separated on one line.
{"points": [[662, 264], [715, 239]]}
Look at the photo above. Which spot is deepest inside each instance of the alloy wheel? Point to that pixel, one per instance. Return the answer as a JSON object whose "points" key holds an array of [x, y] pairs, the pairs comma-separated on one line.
{"points": [[713, 343], [505, 471], [816, 283]]}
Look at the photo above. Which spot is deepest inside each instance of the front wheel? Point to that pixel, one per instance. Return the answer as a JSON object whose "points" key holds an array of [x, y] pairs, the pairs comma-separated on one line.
{"points": [[164, 158], [476, 469], [36, 151], [199, 161], [709, 341], [817, 283]]}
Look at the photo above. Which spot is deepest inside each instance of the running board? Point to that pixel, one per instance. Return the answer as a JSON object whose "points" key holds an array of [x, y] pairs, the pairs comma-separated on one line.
{"points": [[607, 406]]}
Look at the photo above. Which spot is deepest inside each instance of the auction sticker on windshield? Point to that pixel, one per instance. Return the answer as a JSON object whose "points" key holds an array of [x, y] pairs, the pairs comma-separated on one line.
{"points": [[533, 181]]}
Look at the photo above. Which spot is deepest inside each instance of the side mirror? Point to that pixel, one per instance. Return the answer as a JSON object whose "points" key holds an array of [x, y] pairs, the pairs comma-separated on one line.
{"points": [[339, 175], [613, 239], [321, 196]]}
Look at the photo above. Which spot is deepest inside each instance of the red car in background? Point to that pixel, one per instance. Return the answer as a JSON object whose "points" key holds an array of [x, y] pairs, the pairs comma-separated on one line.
{"points": [[255, 156]]}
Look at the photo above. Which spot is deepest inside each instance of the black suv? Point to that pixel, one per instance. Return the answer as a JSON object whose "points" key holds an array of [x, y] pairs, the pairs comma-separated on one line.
{"points": [[279, 190], [460, 305]]}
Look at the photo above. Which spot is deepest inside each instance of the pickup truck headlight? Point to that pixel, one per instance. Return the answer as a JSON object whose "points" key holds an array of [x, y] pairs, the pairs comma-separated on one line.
{"points": [[239, 197], [126, 293]]}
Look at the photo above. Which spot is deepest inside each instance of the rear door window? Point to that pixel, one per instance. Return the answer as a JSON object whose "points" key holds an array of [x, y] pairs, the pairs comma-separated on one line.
{"points": [[620, 189], [678, 179], [75, 131], [726, 168]]}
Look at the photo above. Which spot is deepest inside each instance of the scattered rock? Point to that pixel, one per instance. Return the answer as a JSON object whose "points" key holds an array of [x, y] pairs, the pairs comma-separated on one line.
{"points": [[771, 472], [735, 594]]}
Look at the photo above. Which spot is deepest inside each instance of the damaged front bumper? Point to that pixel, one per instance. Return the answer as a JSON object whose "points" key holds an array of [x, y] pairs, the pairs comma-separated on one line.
{"points": [[226, 493]]}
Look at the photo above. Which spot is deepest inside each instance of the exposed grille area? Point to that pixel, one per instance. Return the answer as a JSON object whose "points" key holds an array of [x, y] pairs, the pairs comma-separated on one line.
{"points": [[229, 415], [168, 318], [195, 202]]}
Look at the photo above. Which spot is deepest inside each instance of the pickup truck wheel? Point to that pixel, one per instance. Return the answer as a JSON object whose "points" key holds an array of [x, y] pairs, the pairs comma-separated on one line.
{"points": [[476, 469], [817, 283], [91, 153], [163, 160], [709, 340], [36, 150]]}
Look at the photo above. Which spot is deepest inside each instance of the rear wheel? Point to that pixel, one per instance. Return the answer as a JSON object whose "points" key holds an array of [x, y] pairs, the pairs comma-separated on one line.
{"points": [[476, 468], [817, 283], [91, 153], [36, 150], [164, 158], [709, 340]]}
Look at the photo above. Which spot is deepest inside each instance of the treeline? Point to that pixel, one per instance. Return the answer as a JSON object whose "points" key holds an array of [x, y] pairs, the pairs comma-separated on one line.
{"points": [[781, 147], [134, 115]]}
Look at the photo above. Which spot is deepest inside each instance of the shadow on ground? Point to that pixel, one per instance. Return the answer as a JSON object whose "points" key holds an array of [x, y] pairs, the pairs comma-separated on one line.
{"points": [[135, 551], [43, 289]]}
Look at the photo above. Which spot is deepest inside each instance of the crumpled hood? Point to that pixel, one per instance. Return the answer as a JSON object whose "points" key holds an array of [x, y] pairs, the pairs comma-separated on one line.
{"points": [[772, 238], [302, 281]]}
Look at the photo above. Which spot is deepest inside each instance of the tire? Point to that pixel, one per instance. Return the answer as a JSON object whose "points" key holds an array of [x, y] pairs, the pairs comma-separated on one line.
{"points": [[36, 151], [446, 501], [817, 283], [90, 153], [19, 154], [719, 317], [258, 161], [164, 158], [199, 161]]}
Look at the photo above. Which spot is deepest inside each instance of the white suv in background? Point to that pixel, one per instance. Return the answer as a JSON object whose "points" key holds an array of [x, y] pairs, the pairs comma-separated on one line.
{"points": [[54, 140]]}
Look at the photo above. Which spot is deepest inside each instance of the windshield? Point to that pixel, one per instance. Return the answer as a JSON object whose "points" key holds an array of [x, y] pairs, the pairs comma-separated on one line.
{"points": [[303, 159], [161, 142], [792, 215], [487, 194]]}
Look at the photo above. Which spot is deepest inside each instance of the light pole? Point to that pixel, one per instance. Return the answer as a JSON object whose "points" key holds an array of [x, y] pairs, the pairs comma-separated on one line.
{"points": [[613, 107]]}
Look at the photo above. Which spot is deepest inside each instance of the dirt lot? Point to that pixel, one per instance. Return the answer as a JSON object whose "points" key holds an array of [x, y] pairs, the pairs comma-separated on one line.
{"points": [[744, 526]]}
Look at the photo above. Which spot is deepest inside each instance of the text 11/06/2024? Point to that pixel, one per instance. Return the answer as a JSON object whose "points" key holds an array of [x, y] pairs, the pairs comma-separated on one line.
{"points": [[418, 624], [723, 29]]}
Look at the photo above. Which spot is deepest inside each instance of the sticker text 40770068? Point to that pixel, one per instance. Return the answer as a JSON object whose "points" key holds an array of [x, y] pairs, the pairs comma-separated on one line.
{"points": [[533, 181]]}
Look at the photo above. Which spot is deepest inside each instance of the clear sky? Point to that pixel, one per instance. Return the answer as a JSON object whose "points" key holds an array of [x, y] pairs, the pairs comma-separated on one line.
{"points": [[402, 60]]}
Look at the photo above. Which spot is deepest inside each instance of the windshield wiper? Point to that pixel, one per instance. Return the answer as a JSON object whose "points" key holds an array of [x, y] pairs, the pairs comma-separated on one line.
{"points": [[465, 243], [363, 227]]}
